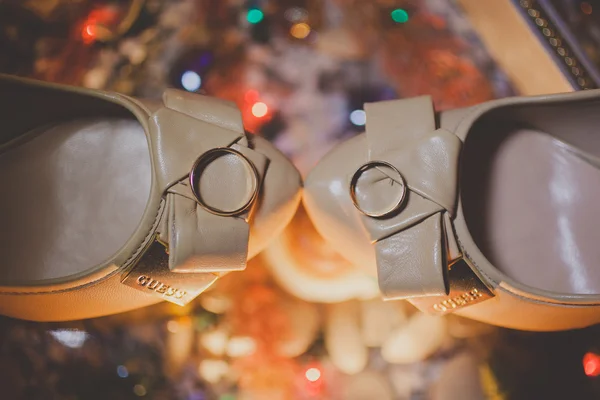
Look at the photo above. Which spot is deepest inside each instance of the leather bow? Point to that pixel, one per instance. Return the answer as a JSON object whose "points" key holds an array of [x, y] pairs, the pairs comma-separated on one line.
{"points": [[413, 243], [198, 240]]}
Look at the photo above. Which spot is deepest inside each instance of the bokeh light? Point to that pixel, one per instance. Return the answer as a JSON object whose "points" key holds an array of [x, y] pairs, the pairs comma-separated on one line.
{"points": [[122, 371], [72, 338], [313, 374], [191, 81], [399, 15], [586, 8], [251, 96], [300, 31], [255, 15], [173, 326], [591, 364], [260, 109], [88, 33], [358, 117], [139, 390]]}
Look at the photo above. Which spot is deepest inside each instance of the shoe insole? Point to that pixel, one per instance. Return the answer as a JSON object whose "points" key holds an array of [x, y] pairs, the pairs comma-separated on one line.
{"points": [[74, 192], [534, 209]]}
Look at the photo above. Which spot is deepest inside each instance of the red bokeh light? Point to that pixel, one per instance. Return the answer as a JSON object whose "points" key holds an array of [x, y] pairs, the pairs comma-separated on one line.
{"points": [[314, 384], [88, 33], [251, 96], [260, 109], [104, 16], [255, 112], [591, 364]]}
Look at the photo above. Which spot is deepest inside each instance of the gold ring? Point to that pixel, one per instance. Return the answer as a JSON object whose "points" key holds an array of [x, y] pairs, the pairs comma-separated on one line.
{"points": [[203, 161], [354, 181]]}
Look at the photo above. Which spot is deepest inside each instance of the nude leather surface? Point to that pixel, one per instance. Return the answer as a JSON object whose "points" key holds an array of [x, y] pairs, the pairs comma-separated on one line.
{"points": [[80, 291], [552, 223], [68, 168], [427, 158], [572, 118], [520, 301], [197, 240]]}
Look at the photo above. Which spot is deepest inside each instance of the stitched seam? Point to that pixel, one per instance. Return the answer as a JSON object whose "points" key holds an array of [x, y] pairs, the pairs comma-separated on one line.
{"points": [[110, 275]]}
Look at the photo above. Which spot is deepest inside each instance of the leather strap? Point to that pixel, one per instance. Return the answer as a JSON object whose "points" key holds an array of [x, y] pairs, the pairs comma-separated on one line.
{"points": [[198, 240], [391, 124], [411, 245]]}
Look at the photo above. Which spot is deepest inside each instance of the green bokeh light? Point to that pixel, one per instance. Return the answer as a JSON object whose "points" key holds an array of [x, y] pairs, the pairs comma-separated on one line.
{"points": [[400, 16], [254, 16]]}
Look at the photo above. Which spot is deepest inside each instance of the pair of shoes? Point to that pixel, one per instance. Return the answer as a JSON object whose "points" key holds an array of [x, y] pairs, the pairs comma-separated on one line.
{"points": [[113, 203]]}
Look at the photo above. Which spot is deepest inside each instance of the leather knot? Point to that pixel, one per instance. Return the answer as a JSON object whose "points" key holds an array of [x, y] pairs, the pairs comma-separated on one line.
{"points": [[211, 179], [420, 167]]}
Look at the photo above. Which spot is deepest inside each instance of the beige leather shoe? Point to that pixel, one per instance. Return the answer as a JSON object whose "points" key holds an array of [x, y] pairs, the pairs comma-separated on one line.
{"points": [[111, 203], [491, 212]]}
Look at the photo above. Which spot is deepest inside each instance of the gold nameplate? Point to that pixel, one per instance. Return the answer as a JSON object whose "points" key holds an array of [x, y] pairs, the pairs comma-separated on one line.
{"points": [[465, 289], [152, 275]]}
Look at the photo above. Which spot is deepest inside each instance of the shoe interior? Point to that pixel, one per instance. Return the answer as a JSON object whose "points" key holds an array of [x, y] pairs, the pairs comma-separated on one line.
{"points": [[76, 174], [530, 184]]}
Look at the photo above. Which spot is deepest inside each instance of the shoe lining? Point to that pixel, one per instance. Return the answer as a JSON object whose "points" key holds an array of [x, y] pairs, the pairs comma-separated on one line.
{"points": [[530, 183], [75, 185]]}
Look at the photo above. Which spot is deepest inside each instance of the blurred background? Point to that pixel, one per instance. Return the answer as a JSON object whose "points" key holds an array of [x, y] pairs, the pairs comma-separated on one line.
{"points": [[300, 322]]}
